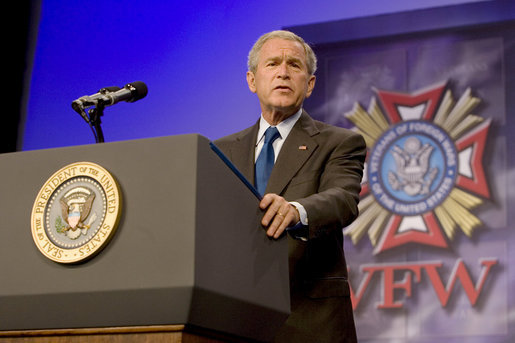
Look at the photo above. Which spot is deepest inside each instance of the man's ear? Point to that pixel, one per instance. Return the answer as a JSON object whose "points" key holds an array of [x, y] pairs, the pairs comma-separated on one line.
{"points": [[251, 81], [311, 85]]}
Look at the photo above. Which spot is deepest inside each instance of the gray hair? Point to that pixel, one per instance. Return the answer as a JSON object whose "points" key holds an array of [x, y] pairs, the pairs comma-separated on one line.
{"points": [[311, 59]]}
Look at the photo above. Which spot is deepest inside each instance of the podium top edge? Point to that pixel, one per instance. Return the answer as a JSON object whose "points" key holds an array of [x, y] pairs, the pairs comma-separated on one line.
{"points": [[146, 139]]}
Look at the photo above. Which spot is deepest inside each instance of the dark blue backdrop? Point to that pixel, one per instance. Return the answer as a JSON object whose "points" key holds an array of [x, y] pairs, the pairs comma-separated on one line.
{"points": [[192, 55]]}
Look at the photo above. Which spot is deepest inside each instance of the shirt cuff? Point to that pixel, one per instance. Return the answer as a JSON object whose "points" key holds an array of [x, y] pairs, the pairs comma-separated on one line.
{"points": [[302, 212], [300, 230]]}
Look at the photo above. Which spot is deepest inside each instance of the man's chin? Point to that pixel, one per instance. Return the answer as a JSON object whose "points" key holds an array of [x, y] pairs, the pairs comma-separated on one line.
{"points": [[284, 112], [285, 105]]}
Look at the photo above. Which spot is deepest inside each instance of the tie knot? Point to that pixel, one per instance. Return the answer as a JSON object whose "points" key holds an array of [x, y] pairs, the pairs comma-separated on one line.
{"points": [[271, 134]]}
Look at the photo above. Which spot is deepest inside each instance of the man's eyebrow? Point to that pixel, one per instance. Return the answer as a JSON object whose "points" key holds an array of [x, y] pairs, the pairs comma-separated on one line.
{"points": [[294, 59], [273, 58]]}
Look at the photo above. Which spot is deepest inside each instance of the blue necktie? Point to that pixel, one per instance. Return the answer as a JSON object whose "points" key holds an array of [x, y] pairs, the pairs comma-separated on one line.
{"points": [[265, 161]]}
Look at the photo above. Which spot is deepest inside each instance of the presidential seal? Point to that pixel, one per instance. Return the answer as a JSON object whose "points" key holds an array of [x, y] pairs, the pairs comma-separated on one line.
{"points": [[76, 212]]}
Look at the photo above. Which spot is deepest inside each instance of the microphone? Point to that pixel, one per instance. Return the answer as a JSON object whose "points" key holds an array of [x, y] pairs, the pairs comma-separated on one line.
{"points": [[131, 92], [109, 96]]}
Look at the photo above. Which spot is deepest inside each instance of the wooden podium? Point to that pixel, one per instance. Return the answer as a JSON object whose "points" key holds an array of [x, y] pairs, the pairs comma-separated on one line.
{"points": [[189, 261]]}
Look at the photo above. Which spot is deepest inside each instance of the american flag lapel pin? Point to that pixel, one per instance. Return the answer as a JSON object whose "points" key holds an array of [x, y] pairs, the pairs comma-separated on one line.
{"points": [[303, 147]]}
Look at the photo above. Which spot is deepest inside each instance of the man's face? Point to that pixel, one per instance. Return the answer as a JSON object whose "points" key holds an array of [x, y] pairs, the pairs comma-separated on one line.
{"points": [[281, 80]]}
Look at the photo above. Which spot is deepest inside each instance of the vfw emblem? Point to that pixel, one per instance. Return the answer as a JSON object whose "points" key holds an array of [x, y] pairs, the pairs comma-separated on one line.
{"points": [[424, 173]]}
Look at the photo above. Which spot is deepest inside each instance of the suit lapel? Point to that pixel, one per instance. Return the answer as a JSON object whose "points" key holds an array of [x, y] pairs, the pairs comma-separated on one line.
{"points": [[296, 150], [242, 153]]}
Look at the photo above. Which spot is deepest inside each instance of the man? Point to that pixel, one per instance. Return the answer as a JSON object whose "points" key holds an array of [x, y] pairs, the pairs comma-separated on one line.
{"points": [[313, 189]]}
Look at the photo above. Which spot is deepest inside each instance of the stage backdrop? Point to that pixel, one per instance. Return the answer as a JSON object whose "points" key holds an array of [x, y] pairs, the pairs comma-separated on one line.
{"points": [[191, 54], [431, 253]]}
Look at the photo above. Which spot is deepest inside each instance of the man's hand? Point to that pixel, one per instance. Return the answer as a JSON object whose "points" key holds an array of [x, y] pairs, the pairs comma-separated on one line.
{"points": [[279, 214]]}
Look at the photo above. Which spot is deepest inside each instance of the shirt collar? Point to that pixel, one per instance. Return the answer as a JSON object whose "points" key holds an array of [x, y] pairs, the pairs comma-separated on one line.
{"points": [[283, 127]]}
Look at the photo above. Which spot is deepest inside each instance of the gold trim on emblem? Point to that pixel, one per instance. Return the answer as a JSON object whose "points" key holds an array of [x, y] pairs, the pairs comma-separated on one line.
{"points": [[76, 212]]}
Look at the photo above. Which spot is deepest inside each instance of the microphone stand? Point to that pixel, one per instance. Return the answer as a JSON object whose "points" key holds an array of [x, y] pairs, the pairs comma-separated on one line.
{"points": [[95, 114]]}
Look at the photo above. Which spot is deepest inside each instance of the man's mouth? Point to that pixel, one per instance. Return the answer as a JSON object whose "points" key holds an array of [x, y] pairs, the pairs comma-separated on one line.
{"points": [[284, 88]]}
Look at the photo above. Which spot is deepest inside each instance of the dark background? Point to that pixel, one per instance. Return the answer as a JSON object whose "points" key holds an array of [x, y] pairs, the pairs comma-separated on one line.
{"points": [[19, 25]]}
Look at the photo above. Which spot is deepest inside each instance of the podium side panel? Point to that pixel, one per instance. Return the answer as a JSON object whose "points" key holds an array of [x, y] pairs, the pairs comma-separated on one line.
{"points": [[239, 270]]}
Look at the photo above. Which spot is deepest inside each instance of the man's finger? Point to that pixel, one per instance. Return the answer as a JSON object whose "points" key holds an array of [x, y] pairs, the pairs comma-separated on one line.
{"points": [[267, 200], [272, 203], [283, 218]]}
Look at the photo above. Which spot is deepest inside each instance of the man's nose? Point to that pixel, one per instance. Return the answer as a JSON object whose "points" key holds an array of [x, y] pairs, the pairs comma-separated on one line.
{"points": [[283, 71]]}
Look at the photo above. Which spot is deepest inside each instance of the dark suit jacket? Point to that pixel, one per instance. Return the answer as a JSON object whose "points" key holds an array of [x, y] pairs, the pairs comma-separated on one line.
{"points": [[320, 166]]}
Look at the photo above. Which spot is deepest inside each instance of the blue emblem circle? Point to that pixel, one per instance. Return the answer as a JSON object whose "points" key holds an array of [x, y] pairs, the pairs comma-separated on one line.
{"points": [[412, 167]]}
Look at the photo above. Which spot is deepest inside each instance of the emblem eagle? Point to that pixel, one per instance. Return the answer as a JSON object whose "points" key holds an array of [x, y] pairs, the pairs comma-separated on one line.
{"points": [[413, 175], [74, 214]]}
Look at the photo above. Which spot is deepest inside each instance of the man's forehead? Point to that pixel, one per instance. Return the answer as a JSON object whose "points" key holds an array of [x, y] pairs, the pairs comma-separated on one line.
{"points": [[283, 46]]}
